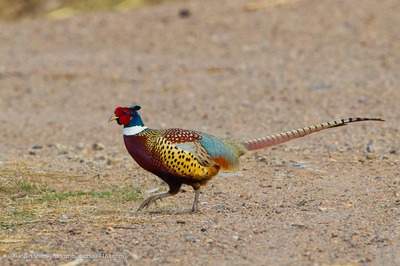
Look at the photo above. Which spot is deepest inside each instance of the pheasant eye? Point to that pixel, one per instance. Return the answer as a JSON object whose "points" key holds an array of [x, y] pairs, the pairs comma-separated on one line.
{"points": [[121, 111]]}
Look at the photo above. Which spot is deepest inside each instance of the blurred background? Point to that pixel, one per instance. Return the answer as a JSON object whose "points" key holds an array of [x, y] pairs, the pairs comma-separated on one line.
{"points": [[58, 9]]}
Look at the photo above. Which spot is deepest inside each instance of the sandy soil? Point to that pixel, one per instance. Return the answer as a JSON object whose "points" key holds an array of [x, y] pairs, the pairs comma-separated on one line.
{"points": [[328, 199]]}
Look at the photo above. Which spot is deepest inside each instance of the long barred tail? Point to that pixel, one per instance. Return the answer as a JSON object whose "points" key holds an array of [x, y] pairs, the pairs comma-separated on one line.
{"points": [[271, 140]]}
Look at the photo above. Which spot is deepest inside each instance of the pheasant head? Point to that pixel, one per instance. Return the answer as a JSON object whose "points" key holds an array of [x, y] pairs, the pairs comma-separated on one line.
{"points": [[129, 118]]}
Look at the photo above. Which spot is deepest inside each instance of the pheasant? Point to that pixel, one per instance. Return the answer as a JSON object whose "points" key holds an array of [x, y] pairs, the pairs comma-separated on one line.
{"points": [[181, 156]]}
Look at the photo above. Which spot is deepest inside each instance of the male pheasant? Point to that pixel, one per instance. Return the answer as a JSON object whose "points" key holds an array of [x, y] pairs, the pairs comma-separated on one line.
{"points": [[181, 156]]}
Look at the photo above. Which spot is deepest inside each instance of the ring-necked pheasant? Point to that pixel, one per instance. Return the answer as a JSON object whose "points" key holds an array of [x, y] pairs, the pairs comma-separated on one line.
{"points": [[181, 156]]}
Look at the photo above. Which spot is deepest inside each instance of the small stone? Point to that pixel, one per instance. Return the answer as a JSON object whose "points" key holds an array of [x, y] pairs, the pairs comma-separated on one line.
{"points": [[184, 13], [59, 147], [323, 209], [110, 230], [191, 239], [370, 146], [64, 218], [265, 184], [173, 261], [101, 157], [98, 146], [80, 146], [74, 231], [299, 226], [37, 147], [262, 159], [396, 181], [75, 262], [134, 256], [235, 237]]}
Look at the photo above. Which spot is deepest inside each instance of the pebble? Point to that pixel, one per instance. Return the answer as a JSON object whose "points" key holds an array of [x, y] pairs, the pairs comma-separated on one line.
{"points": [[134, 256], [370, 146], [37, 147], [80, 146], [301, 165], [396, 181], [98, 146], [175, 261], [75, 262], [100, 157], [184, 13], [63, 218], [58, 146], [299, 226], [348, 206], [191, 239], [34, 148]]}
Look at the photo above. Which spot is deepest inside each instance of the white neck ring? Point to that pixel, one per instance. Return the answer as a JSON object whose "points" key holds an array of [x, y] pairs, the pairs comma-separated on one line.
{"points": [[131, 131]]}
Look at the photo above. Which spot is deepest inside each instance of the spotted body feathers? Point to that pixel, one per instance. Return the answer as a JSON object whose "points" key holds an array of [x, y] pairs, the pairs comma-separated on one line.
{"points": [[191, 163]]}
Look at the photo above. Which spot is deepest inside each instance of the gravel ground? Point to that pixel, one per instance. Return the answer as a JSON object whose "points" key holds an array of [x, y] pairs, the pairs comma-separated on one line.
{"points": [[328, 199]]}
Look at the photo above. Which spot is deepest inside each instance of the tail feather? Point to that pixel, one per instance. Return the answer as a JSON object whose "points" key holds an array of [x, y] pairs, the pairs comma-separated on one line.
{"points": [[271, 140]]}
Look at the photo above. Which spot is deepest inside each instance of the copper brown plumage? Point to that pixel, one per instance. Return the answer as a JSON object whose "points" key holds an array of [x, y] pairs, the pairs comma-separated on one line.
{"points": [[180, 156]]}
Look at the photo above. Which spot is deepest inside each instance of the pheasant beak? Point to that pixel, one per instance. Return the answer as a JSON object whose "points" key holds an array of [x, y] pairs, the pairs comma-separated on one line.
{"points": [[112, 118]]}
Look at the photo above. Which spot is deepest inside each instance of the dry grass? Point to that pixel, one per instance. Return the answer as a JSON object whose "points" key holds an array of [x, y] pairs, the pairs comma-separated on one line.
{"points": [[29, 196], [39, 205], [15, 9]]}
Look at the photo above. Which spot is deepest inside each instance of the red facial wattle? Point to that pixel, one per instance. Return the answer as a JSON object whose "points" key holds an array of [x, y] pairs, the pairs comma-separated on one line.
{"points": [[124, 115]]}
